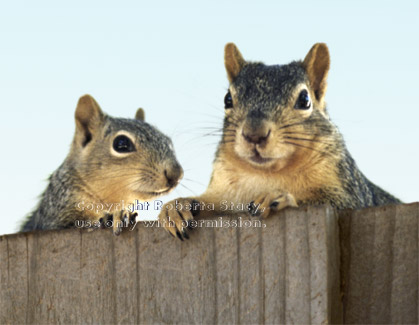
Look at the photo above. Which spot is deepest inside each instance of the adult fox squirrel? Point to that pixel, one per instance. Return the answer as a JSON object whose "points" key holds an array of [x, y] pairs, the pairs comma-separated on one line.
{"points": [[279, 147], [112, 160]]}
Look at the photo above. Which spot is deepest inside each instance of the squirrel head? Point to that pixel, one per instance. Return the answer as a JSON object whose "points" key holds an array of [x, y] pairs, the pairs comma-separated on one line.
{"points": [[275, 114], [121, 159]]}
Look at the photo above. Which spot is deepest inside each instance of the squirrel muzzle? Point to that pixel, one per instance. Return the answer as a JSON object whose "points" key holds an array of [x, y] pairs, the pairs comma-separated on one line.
{"points": [[173, 173], [258, 135]]}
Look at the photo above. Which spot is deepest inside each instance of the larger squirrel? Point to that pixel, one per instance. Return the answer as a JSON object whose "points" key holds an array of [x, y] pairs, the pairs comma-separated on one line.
{"points": [[279, 147], [111, 161]]}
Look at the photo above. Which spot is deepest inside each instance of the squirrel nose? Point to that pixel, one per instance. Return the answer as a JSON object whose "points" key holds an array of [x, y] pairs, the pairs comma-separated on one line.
{"points": [[173, 175], [256, 137]]}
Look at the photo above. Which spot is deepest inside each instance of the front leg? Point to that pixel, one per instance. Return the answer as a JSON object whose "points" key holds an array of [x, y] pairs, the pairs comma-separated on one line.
{"points": [[270, 203]]}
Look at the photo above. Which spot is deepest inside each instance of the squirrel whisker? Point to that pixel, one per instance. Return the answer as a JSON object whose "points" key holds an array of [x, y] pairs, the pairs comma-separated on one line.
{"points": [[312, 140], [307, 147]]}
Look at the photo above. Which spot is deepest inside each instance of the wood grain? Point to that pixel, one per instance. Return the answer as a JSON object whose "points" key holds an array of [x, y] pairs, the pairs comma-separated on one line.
{"points": [[307, 265]]}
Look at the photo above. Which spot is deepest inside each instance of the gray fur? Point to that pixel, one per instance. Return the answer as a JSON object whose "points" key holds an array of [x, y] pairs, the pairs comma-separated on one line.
{"points": [[70, 182], [263, 93]]}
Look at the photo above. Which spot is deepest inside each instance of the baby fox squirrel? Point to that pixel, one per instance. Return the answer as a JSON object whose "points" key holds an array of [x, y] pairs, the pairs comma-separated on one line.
{"points": [[279, 147], [112, 160]]}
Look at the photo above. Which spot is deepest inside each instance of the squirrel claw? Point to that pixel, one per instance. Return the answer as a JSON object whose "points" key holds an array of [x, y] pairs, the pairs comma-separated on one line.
{"points": [[118, 220], [185, 234], [179, 235], [133, 218], [117, 230], [268, 204], [175, 217], [253, 209]]}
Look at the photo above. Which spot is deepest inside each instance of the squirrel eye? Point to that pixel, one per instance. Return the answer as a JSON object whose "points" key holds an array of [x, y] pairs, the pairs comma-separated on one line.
{"points": [[123, 144], [303, 101], [228, 101]]}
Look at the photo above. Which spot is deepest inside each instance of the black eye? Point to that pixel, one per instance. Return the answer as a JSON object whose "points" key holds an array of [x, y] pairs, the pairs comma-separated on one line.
{"points": [[303, 101], [123, 144], [228, 101]]}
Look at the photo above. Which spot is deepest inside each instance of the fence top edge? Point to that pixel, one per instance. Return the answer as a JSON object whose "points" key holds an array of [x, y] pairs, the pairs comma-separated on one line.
{"points": [[302, 210]]}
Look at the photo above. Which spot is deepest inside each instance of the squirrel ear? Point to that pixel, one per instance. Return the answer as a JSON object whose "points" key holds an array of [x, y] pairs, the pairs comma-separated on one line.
{"points": [[140, 115], [89, 117], [317, 63], [233, 61]]}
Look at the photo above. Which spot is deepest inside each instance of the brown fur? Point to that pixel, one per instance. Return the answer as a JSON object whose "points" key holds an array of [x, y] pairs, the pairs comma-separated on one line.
{"points": [[233, 61], [317, 64], [140, 115], [277, 152], [97, 171]]}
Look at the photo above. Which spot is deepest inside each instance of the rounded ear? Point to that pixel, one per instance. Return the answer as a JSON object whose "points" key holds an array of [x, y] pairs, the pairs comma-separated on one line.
{"points": [[233, 61], [89, 118], [317, 63], [140, 115]]}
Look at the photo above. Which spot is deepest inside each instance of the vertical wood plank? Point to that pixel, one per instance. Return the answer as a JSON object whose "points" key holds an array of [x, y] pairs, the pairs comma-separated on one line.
{"points": [[15, 289], [4, 279], [273, 261], [404, 293], [360, 276], [297, 264], [199, 274], [97, 277], [161, 289], [54, 277], [324, 268], [125, 250], [226, 264], [345, 221], [250, 272], [334, 267], [382, 264], [317, 281]]}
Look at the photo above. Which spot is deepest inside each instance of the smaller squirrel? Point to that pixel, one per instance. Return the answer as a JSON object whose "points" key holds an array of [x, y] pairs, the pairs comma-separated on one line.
{"points": [[111, 160], [279, 147]]}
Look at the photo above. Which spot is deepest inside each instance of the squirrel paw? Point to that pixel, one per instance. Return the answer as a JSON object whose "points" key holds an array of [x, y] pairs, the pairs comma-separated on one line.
{"points": [[118, 220], [176, 215], [268, 204]]}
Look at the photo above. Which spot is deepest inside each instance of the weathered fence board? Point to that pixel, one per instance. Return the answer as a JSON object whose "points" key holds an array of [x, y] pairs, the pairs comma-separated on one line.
{"points": [[380, 264], [14, 279], [227, 270], [274, 258], [301, 266]]}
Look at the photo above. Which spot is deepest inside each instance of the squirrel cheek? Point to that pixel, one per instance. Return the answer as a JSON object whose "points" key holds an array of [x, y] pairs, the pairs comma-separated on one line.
{"points": [[283, 151], [228, 112], [242, 149]]}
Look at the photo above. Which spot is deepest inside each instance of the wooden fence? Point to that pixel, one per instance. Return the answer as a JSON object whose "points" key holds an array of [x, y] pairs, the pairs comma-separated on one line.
{"points": [[303, 266]]}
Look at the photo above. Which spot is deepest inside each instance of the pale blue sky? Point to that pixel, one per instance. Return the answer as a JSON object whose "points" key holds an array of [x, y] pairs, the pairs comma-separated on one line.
{"points": [[167, 56]]}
